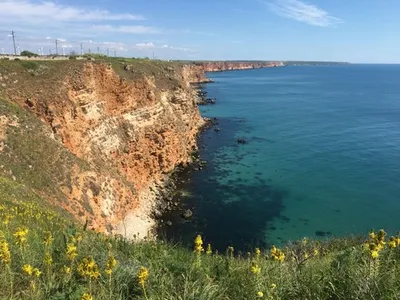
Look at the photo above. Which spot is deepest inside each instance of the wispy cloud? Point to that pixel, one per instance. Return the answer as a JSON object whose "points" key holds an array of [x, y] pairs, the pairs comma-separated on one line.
{"points": [[151, 45], [134, 29], [176, 48], [303, 12], [28, 11], [144, 46]]}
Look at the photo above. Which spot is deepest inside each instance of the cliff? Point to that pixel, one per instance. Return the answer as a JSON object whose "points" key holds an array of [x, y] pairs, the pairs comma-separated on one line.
{"points": [[237, 65], [196, 72], [108, 138]]}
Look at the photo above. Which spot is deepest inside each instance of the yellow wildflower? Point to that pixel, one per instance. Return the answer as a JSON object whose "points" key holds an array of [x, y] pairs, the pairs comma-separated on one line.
{"points": [[48, 260], [381, 235], [5, 255], [372, 235], [277, 254], [86, 296], [260, 294], [20, 235], [258, 252], [198, 244], [209, 250], [78, 237], [71, 251], [374, 254], [111, 263], [316, 252], [28, 269], [273, 286], [37, 272], [379, 247], [142, 276], [88, 268], [255, 269], [66, 270], [48, 238], [392, 243]]}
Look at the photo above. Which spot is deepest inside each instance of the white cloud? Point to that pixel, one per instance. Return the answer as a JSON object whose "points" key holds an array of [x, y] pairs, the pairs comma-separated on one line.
{"points": [[135, 29], [144, 45], [303, 12], [28, 11], [176, 48]]}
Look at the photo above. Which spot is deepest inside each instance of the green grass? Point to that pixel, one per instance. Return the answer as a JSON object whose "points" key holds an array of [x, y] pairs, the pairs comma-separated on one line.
{"points": [[333, 269]]}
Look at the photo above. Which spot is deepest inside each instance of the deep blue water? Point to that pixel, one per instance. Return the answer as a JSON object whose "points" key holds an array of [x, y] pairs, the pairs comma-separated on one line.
{"points": [[323, 156]]}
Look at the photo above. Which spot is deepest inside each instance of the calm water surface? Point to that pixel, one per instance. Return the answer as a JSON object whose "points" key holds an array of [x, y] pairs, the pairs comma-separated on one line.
{"points": [[323, 156]]}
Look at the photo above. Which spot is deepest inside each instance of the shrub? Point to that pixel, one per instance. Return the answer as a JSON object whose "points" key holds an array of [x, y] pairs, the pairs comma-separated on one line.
{"points": [[28, 53]]}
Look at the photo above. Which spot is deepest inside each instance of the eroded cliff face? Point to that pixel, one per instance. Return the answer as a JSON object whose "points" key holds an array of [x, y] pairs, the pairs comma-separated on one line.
{"points": [[195, 73], [130, 133]]}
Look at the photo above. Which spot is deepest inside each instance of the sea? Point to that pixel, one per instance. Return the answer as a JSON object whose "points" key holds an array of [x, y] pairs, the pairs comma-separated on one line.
{"points": [[321, 157]]}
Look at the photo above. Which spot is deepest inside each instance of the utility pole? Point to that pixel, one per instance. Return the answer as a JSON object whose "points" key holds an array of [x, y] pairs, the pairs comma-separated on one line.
{"points": [[81, 49], [98, 50], [56, 47], [89, 51], [13, 37], [115, 53]]}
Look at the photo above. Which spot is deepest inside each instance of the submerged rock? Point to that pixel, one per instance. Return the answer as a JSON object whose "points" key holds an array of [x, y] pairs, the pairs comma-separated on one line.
{"points": [[187, 214], [241, 141]]}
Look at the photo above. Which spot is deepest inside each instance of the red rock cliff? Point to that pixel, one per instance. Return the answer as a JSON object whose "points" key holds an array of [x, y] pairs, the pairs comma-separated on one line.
{"points": [[131, 129]]}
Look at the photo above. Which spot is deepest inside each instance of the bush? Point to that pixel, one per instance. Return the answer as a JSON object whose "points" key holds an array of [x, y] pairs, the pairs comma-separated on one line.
{"points": [[28, 53]]}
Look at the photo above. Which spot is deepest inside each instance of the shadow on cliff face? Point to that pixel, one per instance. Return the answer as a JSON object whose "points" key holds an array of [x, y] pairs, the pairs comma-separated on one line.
{"points": [[228, 210]]}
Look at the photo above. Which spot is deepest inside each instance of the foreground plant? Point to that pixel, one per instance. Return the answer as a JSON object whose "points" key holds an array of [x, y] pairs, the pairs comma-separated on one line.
{"points": [[142, 277]]}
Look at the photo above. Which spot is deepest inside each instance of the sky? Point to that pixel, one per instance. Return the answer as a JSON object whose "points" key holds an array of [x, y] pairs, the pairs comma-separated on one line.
{"points": [[357, 31]]}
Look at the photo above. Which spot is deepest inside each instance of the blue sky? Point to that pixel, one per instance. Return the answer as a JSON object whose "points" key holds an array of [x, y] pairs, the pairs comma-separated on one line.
{"points": [[366, 31]]}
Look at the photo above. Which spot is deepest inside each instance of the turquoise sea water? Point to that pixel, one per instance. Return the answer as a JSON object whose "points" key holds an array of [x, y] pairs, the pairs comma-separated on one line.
{"points": [[322, 158]]}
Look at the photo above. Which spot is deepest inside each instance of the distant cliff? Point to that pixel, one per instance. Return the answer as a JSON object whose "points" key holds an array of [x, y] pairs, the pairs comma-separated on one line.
{"points": [[237, 65], [196, 72]]}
